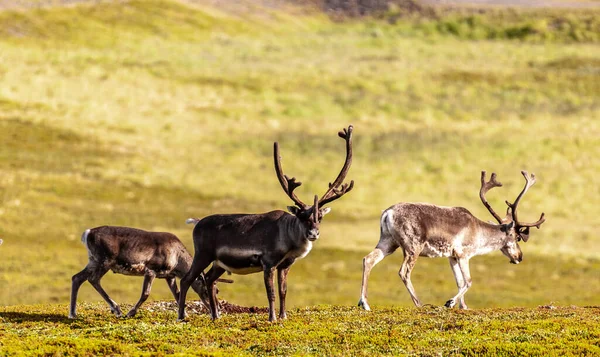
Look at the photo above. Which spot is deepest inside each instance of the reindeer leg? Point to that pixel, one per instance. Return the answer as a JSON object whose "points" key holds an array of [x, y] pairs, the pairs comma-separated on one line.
{"points": [[199, 263], [369, 261], [211, 285], [201, 288], [458, 276], [282, 284], [268, 271], [407, 266], [463, 265], [94, 279], [173, 287], [77, 280], [146, 287]]}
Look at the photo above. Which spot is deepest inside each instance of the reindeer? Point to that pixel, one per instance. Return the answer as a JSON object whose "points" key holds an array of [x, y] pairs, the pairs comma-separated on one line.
{"points": [[427, 230], [131, 251], [267, 242]]}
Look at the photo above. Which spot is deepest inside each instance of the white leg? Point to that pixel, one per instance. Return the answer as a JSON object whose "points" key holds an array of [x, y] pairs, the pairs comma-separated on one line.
{"points": [[460, 282], [407, 266], [368, 263], [463, 265]]}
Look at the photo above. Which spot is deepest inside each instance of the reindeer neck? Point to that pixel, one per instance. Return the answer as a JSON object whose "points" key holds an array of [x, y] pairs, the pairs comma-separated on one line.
{"points": [[184, 264], [490, 237], [293, 228]]}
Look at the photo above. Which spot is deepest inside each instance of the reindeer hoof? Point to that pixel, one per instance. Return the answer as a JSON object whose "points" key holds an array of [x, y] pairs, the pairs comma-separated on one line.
{"points": [[450, 303], [364, 304], [131, 313], [72, 316], [183, 320], [116, 311]]}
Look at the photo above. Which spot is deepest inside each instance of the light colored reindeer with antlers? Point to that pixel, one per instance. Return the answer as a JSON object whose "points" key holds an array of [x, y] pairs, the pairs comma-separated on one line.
{"points": [[423, 229], [267, 242]]}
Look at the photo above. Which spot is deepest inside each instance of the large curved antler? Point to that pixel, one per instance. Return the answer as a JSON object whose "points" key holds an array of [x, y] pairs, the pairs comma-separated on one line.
{"points": [[288, 184], [485, 187], [529, 181], [336, 188]]}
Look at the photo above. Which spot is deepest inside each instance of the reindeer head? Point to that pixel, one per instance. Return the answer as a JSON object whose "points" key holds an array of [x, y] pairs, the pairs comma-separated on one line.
{"points": [[515, 230], [311, 216]]}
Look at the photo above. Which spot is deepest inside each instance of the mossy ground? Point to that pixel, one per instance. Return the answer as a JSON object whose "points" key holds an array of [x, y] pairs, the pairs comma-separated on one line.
{"points": [[321, 330], [146, 113]]}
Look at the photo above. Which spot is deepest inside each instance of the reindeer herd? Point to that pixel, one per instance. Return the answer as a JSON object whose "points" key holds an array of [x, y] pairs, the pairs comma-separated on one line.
{"points": [[271, 242]]}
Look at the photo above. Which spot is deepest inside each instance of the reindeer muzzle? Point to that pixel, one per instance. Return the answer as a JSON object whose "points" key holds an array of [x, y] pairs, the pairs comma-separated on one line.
{"points": [[313, 235], [516, 261]]}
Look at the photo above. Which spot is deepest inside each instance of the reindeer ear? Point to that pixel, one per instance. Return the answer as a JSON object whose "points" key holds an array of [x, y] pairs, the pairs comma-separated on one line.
{"points": [[324, 211], [293, 209], [507, 227], [524, 233]]}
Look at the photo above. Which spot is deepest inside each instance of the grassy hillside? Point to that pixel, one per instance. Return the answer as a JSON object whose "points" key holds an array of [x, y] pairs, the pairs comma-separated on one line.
{"points": [[324, 330], [146, 113]]}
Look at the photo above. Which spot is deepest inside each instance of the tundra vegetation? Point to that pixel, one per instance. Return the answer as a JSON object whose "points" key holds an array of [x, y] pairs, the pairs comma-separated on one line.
{"points": [[145, 113]]}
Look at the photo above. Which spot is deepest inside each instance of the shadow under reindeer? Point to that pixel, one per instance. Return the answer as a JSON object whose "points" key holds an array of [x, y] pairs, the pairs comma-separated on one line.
{"points": [[21, 317], [195, 307]]}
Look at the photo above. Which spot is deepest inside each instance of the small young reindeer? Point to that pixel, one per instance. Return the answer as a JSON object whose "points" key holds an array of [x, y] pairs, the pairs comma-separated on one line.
{"points": [[422, 229], [131, 251], [268, 242]]}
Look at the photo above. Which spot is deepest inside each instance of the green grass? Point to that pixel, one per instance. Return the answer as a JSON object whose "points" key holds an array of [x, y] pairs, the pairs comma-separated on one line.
{"points": [[323, 330], [146, 113], [525, 25]]}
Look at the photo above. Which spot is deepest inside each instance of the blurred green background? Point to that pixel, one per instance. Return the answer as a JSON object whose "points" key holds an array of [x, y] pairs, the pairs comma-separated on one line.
{"points": [[145, 113]]}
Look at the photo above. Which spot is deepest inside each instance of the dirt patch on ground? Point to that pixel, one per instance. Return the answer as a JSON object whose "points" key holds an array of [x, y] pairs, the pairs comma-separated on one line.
{"points": [[197, 307], [565, 4], [357, 8]]}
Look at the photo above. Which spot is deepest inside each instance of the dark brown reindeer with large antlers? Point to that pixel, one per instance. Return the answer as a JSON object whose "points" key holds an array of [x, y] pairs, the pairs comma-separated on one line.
{"points": [[422, 229], [268, 242]]}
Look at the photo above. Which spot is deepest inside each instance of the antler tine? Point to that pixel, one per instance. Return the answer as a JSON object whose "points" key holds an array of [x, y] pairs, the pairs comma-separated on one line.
{"points": [[288, 184], [485, 187], [338, 192], [333, 193], [529, 181], [536, 224], [315, 211]]}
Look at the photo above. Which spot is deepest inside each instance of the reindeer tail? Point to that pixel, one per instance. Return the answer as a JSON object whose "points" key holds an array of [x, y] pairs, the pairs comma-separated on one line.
{"points": [[84, 237], [387, 222], [192, 221]]}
